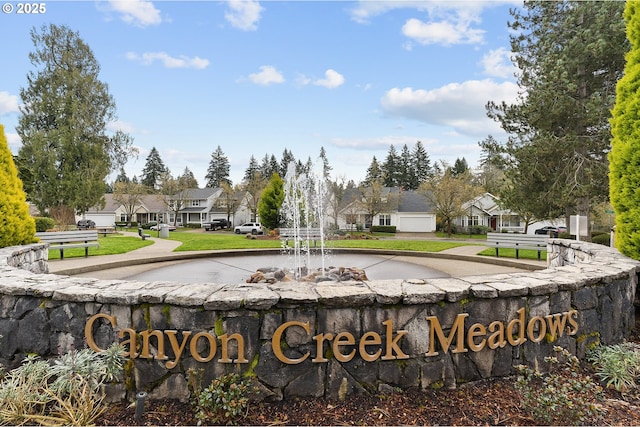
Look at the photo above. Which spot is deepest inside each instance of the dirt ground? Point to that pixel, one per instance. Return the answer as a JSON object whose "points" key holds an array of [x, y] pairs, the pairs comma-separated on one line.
{"points": [[486, 402]]}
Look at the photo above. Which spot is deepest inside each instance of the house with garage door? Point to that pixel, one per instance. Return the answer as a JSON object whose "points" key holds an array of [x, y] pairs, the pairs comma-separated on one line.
{"points": [[409, 211]]}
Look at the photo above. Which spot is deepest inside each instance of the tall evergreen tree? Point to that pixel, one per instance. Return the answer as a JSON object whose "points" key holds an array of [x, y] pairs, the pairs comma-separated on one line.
{"points": [[287, 157], [421, 163], [153, 171], [189, 178], [624, 158], [408, 178], [460, 167], [66, 152], [326, 168], [18, 227], [251, 170], [122, 176], [218, 171], [391, 168], [374, 172], [570, 55]]}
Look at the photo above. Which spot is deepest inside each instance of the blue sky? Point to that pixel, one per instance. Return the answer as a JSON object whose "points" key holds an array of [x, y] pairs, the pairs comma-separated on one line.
{"points": [[257, 77]]}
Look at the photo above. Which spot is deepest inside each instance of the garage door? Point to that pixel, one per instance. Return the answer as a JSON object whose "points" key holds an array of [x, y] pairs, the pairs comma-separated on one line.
{"points": [[416, 224]]}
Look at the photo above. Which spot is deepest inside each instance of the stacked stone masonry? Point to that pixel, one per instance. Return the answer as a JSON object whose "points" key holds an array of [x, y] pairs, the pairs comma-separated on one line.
{"points": [[301, 339]]}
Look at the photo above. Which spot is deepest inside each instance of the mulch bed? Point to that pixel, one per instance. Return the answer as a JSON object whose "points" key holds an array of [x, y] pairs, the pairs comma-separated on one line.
{"points": [[488, 402]]}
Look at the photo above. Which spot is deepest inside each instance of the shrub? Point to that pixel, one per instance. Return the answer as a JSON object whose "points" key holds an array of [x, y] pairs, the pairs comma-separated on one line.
{"points": [[224, 400], [616, 365], [69, 392], [18, 227], [564, 396], [193, 225], [601, 239], [44, 223], [383, 228]]}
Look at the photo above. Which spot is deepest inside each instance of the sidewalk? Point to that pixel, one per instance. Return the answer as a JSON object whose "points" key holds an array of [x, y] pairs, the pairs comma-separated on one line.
{"points": [[449, 260]]}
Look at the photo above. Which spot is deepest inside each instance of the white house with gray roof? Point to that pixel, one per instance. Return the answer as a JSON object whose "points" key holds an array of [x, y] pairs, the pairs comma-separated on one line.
{"points": [[411, 213]]}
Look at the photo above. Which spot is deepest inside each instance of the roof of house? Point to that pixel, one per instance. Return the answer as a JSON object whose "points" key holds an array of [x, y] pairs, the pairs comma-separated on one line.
{"points": [[413, 201], [198, 193], [151, 202]]}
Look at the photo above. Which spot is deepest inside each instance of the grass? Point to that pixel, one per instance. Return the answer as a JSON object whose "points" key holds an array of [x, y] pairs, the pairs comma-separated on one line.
{"points": [[114, 244], [511, 253]]}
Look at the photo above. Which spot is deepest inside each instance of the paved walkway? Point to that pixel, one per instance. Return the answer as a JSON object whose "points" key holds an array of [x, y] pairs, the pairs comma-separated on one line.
{"points": [[457, 262]]}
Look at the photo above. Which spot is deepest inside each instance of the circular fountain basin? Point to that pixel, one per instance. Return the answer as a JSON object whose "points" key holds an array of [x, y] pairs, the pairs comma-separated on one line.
{"points": [[238, 269]]}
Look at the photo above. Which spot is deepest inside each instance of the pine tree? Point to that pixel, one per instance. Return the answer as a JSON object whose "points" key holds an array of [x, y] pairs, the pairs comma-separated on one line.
{"points": [[251, 170], [421, 163], [271, 201], [287, 157], [218, 171], [67, 152], [408, 178], [569, 54], [18, 227], [391, 168], [326, 168], [122, 176], [153, 171], [624, 175], [460, 167], [189, 179], [374, 172]]}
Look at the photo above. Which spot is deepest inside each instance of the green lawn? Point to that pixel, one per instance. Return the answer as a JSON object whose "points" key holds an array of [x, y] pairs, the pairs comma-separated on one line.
{"points": [[114, 244], [511, 253]]}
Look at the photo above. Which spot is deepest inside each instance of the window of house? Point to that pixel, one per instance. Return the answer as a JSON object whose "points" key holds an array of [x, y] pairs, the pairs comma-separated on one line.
{"points": [[123, 217], [195, 203], [384, 219]]}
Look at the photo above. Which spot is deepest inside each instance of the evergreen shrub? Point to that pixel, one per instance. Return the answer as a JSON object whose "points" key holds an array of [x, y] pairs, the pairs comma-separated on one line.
{"points": [[17, 225], [383, 228], [44, 223]]}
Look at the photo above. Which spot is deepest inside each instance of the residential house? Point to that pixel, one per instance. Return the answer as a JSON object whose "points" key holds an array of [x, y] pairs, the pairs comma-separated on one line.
{"points": [[410, 211], [200, 205], [149, 207], [485, 210]]}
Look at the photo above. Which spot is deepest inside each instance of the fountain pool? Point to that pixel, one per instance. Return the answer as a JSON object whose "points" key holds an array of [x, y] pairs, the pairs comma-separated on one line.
{"points": [[237, 269]]}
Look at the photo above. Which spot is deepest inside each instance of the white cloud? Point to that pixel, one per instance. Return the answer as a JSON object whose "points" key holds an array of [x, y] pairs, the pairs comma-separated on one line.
{"points": [[266, 76], [332, 79], [497, 63], [169, 61], [141, 13], [244, 14], [14, 141], [444, 32], [460, 106], [8, 103]]}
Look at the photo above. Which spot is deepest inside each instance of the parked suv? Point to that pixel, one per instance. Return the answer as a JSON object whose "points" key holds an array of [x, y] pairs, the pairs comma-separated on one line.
{"points": [[84, 224], [551, 230], [249, 227], [215, 224]]}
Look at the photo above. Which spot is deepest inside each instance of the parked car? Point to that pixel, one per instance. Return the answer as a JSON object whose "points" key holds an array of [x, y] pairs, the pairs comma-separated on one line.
{"points": [[155, 227], [249, 227], [83, 224], [215, 224], [551, 230]]}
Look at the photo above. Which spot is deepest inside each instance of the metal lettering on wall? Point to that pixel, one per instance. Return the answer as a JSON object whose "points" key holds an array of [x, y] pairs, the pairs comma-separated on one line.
{"points": [[370, 346]]}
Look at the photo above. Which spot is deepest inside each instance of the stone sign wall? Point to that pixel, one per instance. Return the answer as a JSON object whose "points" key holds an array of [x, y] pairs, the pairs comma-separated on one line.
{"points": [[301, 339]]}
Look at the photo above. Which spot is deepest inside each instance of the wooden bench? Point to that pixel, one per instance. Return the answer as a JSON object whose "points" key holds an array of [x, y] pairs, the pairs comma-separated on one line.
{"points": [[142, 234], [313, 234], [62, 240], [536, 242]]}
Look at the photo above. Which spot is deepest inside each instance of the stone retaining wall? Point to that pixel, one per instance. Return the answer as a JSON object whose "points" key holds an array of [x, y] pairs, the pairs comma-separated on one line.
{"points": [[300, 339]]}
